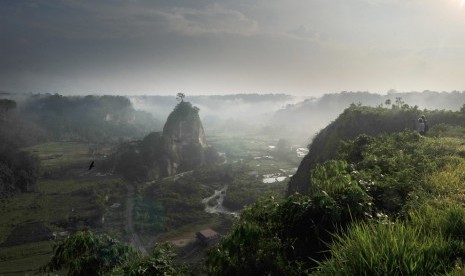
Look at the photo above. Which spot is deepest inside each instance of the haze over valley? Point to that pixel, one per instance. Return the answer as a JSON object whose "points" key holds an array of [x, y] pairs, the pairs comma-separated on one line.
{"points": [[232, 137]]}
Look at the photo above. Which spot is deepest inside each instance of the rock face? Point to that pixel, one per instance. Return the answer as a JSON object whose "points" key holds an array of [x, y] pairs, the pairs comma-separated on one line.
{"points": [[184, 142], [180, 147]]}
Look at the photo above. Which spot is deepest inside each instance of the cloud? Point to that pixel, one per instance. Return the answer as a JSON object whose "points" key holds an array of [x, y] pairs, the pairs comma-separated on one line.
{"points": [[211, 19], [303, 32], [107, 20]]}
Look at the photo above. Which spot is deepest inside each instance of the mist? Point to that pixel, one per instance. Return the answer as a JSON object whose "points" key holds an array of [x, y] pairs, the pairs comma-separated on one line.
{"points": [[232, 137]]}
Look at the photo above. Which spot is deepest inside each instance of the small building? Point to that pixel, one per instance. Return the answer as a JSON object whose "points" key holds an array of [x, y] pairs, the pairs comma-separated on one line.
{"points": [[207, 236]]}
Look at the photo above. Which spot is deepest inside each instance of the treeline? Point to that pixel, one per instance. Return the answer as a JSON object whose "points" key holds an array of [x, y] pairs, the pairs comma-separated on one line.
{"points": [[89, 118], [319, 112], [18, 169], [38, 118]]}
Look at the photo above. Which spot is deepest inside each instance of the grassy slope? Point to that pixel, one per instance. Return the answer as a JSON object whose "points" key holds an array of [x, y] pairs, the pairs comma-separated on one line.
{"points": [[74, 199], [427, 239]]}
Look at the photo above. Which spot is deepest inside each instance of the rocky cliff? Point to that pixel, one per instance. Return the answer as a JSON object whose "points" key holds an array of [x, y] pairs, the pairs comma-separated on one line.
{"points": [[180, 147], [184, 140]]}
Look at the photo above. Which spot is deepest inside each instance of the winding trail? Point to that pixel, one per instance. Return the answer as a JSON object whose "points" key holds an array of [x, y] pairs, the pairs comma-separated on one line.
{"points": [[135, 240], [218, 208]]}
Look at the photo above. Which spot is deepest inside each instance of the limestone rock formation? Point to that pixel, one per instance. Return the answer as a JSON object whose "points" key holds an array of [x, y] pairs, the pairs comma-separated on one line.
{"points": [[184, 140], [180, 147]]}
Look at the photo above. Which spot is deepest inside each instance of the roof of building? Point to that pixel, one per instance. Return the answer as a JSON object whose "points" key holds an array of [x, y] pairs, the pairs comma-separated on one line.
{"points": [[208, 233]]}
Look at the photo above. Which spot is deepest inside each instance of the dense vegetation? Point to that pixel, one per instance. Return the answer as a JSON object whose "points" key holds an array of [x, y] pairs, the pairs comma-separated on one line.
{"points": [[379, 198], [18, 169], [387, 204], [357, 120], [85, 253]]}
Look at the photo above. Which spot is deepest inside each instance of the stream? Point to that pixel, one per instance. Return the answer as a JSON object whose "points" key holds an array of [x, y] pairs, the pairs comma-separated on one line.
{"points": [[218, 208]]}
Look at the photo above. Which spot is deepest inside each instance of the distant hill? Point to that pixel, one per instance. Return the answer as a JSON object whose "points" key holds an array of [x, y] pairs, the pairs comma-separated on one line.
{"points": [[312, 115], [84, 118]]}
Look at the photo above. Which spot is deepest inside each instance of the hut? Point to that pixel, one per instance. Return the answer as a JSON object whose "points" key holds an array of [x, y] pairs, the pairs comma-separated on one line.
{"points": [[207, 236]]}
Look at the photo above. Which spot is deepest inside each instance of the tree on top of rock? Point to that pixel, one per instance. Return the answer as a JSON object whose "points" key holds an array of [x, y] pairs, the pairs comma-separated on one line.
{"points": [[180, 97]]}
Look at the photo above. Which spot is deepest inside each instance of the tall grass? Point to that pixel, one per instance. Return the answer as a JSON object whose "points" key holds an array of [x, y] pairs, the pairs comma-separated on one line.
{"points": [[449, 181], [389, 249], [441, 218]]}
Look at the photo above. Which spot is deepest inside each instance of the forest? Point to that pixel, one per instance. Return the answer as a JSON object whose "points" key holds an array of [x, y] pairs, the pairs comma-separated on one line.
{"points": [[369, 195]]}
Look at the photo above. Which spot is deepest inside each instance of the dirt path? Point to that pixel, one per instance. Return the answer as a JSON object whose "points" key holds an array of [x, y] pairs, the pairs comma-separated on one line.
{"points": [[218, 195], [135, 240]]}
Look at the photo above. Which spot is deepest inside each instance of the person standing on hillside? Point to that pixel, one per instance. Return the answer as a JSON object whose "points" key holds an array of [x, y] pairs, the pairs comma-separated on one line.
{"points": [[425, 122], [421, 126]]}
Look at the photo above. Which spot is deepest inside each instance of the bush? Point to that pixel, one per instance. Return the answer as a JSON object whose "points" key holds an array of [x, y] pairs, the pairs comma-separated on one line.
{"points": [[281, 237], [84, 253]]}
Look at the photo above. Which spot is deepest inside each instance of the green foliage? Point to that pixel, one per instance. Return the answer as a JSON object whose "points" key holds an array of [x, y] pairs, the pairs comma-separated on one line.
{"points": [[149, 215], [181, 198], [390, 249], [354, 121], [390, 174], [160, 262], [18, 170], [85, 253], [445, 218], [182, 112], [393, 165], [335, 178], [362, 120], [277, 238]]}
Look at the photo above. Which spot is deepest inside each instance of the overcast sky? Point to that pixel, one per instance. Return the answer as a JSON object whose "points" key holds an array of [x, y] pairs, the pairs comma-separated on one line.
{"points": [[301, 47]]}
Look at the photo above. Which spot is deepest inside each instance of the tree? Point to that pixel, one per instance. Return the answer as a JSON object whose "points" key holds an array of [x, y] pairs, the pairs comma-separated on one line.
{"points": [[160, 262], [6, 105], [462, 109], [387, 102], [85, 253], [180, 97]]}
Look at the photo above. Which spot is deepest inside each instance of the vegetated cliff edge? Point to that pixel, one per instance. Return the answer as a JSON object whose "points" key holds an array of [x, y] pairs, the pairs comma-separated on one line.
{"points": [[356, 120]]}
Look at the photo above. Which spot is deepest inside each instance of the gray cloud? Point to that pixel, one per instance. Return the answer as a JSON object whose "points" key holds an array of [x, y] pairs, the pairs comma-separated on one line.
{"points": [[206, 46]]}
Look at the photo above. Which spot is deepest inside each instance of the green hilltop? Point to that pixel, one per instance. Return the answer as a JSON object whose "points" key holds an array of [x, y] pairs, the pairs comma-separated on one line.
{"points": [[376, 198]]}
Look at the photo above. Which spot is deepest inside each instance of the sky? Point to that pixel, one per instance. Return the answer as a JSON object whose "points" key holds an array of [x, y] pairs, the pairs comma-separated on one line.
{"points": [[299, 47]]}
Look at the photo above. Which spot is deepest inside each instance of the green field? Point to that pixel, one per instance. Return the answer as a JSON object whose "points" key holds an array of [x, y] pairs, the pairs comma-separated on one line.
{"points": [[63, 202], [70, 198]]}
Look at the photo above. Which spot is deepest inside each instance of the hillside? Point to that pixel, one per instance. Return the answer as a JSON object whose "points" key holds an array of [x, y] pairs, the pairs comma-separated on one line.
{"points": [[310, 116], [383, 204], [357, 120]]}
